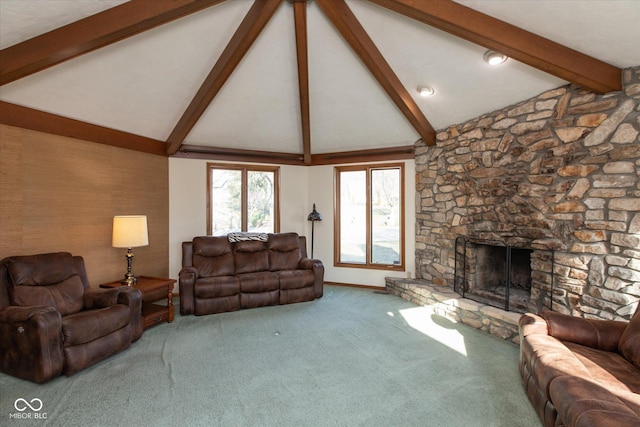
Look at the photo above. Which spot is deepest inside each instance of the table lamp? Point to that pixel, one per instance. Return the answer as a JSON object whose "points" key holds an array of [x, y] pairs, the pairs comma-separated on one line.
{"points": [[129, 231]]}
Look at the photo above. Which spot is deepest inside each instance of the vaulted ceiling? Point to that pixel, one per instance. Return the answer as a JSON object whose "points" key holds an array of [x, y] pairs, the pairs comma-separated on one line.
{"points": [[296, 81]]}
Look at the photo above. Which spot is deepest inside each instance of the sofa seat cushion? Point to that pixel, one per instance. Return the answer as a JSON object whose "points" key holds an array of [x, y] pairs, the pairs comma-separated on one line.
{"points": [[215, 287], [258, 282], [582, 402], [296, 279], [606, 368], [548, 359], [86, 326]]}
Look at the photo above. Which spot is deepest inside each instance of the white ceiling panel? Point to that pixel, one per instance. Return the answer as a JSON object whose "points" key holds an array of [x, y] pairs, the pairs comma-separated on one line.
{"points": [[139, 85], [258, 107]]}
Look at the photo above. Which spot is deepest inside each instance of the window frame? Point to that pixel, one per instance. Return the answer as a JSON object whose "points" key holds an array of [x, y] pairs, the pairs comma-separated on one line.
{"points": [[244, 196], [368, 168]]}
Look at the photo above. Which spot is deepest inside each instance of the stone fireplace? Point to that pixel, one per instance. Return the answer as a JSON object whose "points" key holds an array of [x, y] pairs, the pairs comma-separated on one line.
{"points": [[557, 175]]}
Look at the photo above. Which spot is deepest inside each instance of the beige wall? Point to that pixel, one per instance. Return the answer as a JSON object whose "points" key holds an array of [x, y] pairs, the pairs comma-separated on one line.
{"points": [[301, 186], [60, 194]]}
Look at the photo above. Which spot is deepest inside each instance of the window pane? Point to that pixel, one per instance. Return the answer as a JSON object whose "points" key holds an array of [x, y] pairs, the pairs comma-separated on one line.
{"points": [[385, 216], [260, 209], [353, 217], [226, 201]]}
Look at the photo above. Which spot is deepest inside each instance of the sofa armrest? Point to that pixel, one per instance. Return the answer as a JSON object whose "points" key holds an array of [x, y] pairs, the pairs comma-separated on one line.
{"points": [[186, 281], [530, 324], [595, 333], [31, 342], [317, 267]]}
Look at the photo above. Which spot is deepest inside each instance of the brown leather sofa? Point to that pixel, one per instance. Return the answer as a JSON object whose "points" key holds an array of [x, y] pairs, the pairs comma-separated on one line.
{"points": [[52, 322], [581, 372], [218, 275]]}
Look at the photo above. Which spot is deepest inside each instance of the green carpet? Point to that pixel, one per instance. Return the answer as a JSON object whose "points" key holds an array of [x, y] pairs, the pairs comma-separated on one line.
{"points": [[355, 357]]}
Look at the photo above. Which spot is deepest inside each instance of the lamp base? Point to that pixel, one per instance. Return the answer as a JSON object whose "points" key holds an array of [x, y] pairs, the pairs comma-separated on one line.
{"points": [[129, 280]]}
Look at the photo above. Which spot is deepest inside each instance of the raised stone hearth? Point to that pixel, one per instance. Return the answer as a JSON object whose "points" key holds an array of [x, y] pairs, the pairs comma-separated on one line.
{"points": [[445, 302], [559, 174]]}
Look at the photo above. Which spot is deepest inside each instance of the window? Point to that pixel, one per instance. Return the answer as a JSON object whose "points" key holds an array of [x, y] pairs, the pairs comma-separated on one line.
{"points": [[242, 198], [370, 216]]}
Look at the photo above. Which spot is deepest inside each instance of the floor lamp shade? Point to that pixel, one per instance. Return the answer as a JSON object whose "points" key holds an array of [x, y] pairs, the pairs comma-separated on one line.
{"points": [[130, 231]]}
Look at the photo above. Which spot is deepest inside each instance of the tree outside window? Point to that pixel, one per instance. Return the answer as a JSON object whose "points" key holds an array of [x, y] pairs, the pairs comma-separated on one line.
{"points": [[242, 198]]}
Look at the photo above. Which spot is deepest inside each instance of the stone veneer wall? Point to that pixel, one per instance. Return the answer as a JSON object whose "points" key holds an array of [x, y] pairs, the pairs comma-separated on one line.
{"points": [[557, 172]]}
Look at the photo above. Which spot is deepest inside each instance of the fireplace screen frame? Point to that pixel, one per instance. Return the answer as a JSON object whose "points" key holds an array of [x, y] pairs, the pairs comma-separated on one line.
{"points": [[460, 284]]}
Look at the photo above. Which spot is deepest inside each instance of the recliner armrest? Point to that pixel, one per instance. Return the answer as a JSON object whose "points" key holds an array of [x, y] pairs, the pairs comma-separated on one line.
{"points": [[31, 342], [100, 297], [186, 281], [317, 267], [16, 314], [132, 297], [310, 264], [595, 333], [530, 324]]}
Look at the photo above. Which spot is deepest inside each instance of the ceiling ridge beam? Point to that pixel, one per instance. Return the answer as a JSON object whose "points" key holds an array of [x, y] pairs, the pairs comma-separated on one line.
{"points": [[516, 43], [352, 31], [300, 20], [91, 33], [28, 118], [246, 33]]}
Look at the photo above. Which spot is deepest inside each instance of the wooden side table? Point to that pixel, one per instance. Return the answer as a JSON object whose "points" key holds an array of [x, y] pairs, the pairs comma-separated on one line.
{"points": [[154, 289]]}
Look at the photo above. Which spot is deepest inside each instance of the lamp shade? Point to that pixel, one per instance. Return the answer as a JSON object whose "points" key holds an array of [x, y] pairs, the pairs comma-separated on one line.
{"points": [[130, 231], [314, 215]]}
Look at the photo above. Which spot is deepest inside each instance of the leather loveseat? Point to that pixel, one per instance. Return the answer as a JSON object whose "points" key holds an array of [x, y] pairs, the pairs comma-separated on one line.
{"points": [[52, 322], [219, 275], [581, 372]]}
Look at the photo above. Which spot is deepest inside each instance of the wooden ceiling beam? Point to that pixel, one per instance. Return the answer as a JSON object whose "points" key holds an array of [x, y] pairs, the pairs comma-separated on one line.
{"points": [[91, 33], [300, 19], [352, 31], [28, 118], [254, 156], [246, 33], [519, 44]]}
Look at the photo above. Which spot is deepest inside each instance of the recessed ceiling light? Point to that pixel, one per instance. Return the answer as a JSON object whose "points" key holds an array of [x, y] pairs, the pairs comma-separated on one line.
{"points": [[494, 58], [426, 91]]}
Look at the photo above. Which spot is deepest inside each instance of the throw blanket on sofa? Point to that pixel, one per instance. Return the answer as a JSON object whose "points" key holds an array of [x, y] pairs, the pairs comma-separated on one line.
{"points": [[239, 237]]}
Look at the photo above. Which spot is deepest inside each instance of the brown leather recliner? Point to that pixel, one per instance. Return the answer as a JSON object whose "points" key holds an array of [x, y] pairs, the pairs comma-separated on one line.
{"points": [[52, 322]]}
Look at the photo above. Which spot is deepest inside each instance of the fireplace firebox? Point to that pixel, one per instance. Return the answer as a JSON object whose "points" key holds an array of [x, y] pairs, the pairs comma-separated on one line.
{"points": [[493, 273]]}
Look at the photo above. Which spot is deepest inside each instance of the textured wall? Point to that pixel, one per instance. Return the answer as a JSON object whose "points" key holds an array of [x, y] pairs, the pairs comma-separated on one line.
{"points": [[557, 172], [60, 194]]}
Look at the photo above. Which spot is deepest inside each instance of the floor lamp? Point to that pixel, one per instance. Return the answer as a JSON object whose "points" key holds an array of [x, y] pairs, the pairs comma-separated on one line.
{"points": [[313, 217]]}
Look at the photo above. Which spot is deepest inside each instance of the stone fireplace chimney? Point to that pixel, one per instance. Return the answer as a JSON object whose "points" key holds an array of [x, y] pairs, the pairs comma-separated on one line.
{"points": [[559, 173]]}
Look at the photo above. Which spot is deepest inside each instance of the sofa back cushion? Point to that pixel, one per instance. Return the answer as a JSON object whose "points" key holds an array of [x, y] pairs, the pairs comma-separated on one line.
{"points": [[629, 345], [284, 251], [47, 279], [250, 256], [212, 256]]}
